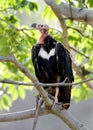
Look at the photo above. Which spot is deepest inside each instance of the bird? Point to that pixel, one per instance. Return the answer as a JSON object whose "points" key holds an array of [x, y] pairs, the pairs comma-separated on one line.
{"points": [[52, 64]]}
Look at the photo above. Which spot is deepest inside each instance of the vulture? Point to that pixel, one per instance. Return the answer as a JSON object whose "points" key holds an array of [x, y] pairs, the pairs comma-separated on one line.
{"points": [[52, 64]]}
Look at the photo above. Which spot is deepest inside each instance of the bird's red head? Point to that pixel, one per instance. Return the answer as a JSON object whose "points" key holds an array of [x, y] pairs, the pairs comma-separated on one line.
{"points": [[43, 29]]}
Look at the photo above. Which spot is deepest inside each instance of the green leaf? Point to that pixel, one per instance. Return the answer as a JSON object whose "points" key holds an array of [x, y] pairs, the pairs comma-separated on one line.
{"points": [[33, 6], [19, 47], [5, 50], [5, 101], [21, 92], [11, 89], [90, 3], [84, 50], [14, 95], [48, 13], [79, 58], [24, 3], [13, 19]]}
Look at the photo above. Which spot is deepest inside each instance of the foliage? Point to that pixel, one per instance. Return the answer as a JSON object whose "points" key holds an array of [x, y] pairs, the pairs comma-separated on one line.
{"points": [[18, 40]]}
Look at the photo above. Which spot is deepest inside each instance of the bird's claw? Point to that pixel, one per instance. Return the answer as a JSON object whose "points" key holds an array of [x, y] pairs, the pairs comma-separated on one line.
{"points": [[65, 105]]}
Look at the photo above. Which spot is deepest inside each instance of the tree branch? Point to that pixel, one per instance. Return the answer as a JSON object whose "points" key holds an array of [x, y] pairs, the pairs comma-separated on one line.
{"points": [[44, 84], [77, 51], [80, 32], [21, 115], [73, 123], [27, 29], [69, 120], [74, 49], [81, 15], [59, 11], [11, 58]]}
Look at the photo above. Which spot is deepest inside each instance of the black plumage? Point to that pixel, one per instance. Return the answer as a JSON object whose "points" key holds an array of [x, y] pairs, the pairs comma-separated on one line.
{"points": [[53, 64]]}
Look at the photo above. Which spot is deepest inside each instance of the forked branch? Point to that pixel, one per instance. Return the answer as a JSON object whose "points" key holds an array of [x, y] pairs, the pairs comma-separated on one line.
{"points": [[73, 123]]}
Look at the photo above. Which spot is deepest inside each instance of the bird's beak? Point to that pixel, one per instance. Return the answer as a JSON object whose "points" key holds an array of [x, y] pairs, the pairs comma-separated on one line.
{"points": [[42, 28], [34, 25]]}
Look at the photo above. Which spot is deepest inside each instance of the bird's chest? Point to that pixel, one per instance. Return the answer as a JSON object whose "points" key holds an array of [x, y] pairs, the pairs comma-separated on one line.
{"points": [[46, 55]]}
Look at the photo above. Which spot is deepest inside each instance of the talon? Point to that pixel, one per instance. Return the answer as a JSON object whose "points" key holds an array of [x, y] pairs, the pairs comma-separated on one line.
{"points": [[66, 105]]}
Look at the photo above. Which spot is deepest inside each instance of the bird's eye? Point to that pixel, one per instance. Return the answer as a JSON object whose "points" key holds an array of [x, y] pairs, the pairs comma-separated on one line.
{"points": [[41, 25]]}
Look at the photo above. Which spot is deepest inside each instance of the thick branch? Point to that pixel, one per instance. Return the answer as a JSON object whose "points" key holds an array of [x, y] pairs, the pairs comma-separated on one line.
{"points": [[73, 123], [11, 58], [28, 114], [21, 115], [83, 15]]}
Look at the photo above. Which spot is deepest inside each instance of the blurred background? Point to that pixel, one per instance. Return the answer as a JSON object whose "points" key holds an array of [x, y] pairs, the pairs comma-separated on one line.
{"points": [[82, 110]]}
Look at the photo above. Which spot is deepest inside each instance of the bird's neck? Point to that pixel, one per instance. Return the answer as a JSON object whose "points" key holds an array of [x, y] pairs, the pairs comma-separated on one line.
{"points": [[43, 37]]}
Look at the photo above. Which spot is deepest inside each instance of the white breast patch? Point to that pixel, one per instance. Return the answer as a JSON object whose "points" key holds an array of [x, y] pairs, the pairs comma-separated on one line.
{"points": [[46, 55]]}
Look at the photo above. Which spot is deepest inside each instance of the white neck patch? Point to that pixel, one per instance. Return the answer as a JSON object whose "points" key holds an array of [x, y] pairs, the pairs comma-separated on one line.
{"points": [[46, 55]]}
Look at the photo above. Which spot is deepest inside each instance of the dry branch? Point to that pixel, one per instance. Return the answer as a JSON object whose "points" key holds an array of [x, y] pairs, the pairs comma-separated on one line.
{"points": [[7, 81]]}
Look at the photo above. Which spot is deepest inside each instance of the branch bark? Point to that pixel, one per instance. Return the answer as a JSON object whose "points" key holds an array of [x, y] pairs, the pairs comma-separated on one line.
{"points": [[81, 15], [22, 115], [11, 58], [73, 123], [7, 81]]}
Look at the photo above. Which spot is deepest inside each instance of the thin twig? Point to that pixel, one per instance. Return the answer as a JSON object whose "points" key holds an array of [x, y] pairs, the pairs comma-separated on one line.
{"points": [[70, 10], [60, 31], [27, 73], [4, 9], [76, 29], [79, 52], [43, 84], [27, 29]]}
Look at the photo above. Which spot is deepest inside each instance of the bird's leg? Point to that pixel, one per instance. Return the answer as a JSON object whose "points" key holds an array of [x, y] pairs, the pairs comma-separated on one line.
{"points": [[56, 96]]}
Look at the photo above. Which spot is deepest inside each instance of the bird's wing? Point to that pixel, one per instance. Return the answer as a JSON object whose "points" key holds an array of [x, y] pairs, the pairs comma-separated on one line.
{"points": [[34, 55], [64, 63], [34, 52], [40, 65]]}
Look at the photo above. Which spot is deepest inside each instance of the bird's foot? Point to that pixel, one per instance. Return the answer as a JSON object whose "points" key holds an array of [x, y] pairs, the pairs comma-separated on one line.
{"points": [[55, 101], [65, 105]]}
